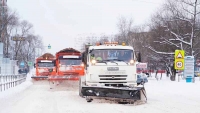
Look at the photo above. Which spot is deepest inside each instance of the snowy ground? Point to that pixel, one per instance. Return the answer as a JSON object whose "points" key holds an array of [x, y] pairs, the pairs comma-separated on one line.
{"points": [[164, 96]]}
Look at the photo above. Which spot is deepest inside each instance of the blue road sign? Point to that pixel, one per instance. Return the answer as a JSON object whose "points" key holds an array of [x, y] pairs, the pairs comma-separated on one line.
{"points": [[49, 46], [22, 63]]}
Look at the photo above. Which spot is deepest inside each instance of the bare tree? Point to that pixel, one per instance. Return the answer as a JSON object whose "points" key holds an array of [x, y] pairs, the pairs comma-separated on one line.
{"points": [[92, 40], [8, 20], [125, 27], [22, 30], [11, 26], [176, 26], [27, 52]]}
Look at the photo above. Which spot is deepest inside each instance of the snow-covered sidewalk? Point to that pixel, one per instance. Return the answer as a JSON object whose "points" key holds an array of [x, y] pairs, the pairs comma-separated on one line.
{"points": [[17, 89]]}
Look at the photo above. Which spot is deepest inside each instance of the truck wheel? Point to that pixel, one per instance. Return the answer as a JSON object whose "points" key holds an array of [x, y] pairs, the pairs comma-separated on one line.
{"points": [[88, 99], [80, 88]]}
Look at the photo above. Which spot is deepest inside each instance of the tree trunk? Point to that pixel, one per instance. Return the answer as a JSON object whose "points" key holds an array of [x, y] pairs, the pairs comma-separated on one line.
{"points": [[173, 76], [156, 74]]}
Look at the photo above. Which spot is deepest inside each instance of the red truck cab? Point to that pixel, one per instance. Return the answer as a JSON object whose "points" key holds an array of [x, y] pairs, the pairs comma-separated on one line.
{"points": [[44, 66], [69, 64]]}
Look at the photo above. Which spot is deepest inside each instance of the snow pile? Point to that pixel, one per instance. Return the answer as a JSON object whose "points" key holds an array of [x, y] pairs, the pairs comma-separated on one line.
{"points": [[17, 89]]}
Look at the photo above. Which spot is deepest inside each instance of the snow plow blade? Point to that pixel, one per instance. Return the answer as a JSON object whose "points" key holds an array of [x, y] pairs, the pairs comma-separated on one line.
{"points": [[60, 82], [68, 77], [39, 77], [137, 93]]}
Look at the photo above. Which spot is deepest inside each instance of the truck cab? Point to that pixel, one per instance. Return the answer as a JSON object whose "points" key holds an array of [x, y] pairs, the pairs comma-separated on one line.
{"points": [[45, 66], [116, 66], [110, 73], [69, 64]]}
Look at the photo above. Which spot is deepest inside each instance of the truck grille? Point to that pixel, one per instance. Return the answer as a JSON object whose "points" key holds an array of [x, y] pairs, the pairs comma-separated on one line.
{"points": [[112, 77]]}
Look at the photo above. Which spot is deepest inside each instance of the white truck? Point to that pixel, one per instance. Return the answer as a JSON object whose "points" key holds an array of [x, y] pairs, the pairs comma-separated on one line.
{"points": [[113, 76]]}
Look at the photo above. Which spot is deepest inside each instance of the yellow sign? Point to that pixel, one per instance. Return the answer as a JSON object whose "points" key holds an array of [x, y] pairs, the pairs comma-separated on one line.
{"points": [[179, 59]]}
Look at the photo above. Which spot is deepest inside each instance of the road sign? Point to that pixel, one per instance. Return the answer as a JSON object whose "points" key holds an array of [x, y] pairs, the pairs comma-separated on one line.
{"points": [[141, 65], [179, 59], [179, 54], [29, 63], [22, 63], [49, 46], [179, 64], [18, 38], [189, 66]]}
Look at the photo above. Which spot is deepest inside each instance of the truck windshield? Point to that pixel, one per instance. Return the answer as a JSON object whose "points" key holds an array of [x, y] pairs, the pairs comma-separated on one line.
{"points": [[70, 61], [112, 54], [45, 64]]}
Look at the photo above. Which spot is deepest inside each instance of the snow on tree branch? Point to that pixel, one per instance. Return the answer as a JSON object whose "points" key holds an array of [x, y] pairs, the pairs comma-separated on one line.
{"points": [[167, 53]]}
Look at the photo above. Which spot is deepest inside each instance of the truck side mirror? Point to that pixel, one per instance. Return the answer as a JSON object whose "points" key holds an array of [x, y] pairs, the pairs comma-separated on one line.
{"points": [[34, 65], [82, 58], [139, 57], [91, 51]]}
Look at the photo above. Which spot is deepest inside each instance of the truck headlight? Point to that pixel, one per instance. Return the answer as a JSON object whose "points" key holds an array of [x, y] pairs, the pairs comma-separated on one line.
{"points": [[93, 62], [132, 62]]}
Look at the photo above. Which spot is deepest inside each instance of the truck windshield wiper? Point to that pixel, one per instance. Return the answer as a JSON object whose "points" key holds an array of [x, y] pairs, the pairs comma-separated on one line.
{"points": [[110, 61], [121, 60], [102, 61]]}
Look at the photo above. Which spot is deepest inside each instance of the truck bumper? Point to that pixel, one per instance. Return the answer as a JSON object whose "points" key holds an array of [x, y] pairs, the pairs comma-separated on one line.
{"points": [[110, 92]]}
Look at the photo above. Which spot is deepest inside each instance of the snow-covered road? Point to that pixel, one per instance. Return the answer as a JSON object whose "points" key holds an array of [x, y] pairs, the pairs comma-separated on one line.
{"points": [[164, 96]]}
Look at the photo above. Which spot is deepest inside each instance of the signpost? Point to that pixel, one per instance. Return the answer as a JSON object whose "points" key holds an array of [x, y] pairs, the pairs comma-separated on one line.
{"points": [[16, 38], [189, 68], [142, 65], [49, 46], [29, 64], [22, 64], [179, 59]]}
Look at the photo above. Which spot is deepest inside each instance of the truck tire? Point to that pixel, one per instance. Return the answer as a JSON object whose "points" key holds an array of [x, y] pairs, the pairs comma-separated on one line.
{"points": [[80, 87]]}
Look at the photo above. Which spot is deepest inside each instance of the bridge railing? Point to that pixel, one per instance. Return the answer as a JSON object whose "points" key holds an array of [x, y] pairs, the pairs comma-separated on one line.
{"points": [[8, 81]]}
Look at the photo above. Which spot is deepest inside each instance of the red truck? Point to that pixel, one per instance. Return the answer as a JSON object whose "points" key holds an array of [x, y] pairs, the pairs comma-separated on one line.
{"points": [[69, 65], [44, 66]]}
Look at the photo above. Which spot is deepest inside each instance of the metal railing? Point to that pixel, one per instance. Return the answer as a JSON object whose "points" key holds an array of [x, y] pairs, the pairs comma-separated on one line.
{"points": [[8, 81]]}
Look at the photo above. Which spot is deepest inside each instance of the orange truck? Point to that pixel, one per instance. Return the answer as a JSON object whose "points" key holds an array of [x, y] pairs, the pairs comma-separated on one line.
{"points": [[69, 65], [44, 66]]}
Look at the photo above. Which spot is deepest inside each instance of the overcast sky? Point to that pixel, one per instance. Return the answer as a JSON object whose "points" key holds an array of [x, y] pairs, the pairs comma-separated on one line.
{"points": [[59, 22]]}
